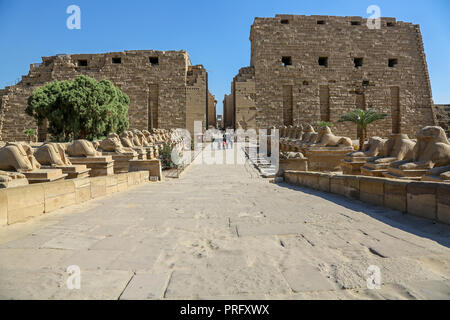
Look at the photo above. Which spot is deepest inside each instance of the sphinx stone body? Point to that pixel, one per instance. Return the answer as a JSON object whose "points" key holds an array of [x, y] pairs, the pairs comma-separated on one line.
{"points": [[326, 138], [81, 148], [327, 151], [83, 152], [397, 147], [52, 154], [17, 157], [353, 161], [431, 150]]}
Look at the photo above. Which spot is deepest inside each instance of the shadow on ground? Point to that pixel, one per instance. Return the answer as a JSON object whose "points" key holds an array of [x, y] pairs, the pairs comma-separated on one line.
{"points": [[421, 227]]}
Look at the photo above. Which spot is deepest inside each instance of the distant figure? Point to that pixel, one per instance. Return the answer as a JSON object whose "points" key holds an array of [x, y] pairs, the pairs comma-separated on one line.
{"points": [[224, 141]]}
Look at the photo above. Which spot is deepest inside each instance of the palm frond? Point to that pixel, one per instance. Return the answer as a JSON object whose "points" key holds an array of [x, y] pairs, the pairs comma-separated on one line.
{"points": [[362, 117]]}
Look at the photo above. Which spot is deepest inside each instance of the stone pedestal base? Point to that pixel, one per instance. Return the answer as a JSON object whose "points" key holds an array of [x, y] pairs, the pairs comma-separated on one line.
{"points": [[100, 166], [121, 161], [374, 170], [153, 166], [326, 159], [438, 174], [292, 165], [352, 165], [73, 171], [431, 178], [396, 173], [44, 175]]}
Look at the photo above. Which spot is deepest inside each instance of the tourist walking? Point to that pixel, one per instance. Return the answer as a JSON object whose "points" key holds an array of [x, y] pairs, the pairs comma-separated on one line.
{"points": [[224, 140]]}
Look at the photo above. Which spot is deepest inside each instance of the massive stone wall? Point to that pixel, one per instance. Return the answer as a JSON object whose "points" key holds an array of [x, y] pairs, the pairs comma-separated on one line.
{"points": [[443, 116], [310, 68], [244, 95], [162, 85], [228, 111], [212, 103], [196, 97]]}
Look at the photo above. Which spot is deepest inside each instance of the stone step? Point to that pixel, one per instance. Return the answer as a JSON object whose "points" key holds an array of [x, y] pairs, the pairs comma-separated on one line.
{"points": [[408, 173], [394, 176]]}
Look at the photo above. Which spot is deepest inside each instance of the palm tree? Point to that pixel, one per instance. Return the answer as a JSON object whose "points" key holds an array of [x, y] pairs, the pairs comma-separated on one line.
{"points": [[362, 118]]}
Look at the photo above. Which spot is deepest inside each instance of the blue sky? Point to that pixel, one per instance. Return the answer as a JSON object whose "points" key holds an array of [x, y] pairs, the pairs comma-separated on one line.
{"points": [[215, 33]]}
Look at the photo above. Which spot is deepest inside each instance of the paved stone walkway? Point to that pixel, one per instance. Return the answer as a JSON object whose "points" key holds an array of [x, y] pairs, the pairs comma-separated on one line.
{"points": [[219, 232]]}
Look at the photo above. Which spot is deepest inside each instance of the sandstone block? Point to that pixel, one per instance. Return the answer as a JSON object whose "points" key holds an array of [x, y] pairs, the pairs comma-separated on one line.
{"points": [[58, 195], [371, 190], [443, 203], [25, 202], [347, 186], [111, 184], [98, 187], [122, 182], [421, 199], [82, 189], [310, 180], [291, 177], [324, 182], [3, 207], [395, 194]]}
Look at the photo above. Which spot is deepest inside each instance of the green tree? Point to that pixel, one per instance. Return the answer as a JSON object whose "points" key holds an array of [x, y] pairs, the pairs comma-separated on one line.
{"points": [[83, 108], [324, 124], [362, 118]]}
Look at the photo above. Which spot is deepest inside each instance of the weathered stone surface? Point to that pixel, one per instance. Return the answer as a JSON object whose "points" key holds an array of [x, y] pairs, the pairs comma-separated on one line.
{"points": [[431, 150], [98, 165], [324, 182], [163, 84], [98, 187], [25, 202], [326, 159], [421, 199], [291, 177], [293, 165], [372, 190], [82, 189], [397, 148], [3, 208], [443, 203], [145, 286], [345, 185], [59, 195], [272, 91], [395, 194], [153, 167]]}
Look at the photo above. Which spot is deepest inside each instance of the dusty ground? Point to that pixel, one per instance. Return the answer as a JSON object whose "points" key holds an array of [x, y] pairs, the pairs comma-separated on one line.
{"points": [[222, 232]]}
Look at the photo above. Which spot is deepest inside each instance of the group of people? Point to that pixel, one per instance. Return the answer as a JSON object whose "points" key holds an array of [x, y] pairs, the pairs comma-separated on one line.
{"points": [[223, 141]]}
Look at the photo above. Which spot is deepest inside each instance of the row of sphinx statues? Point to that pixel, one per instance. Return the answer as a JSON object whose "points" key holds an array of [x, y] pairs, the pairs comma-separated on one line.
{"points": [[427, 157], [19, 158], [298, 138]]}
